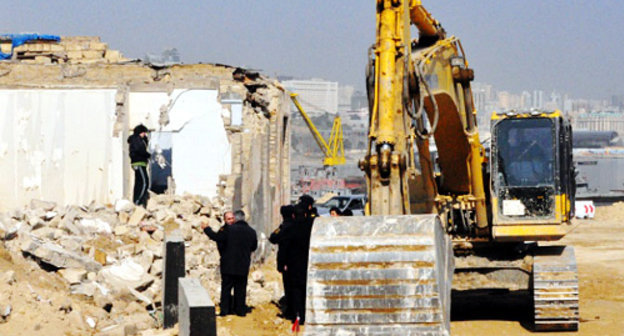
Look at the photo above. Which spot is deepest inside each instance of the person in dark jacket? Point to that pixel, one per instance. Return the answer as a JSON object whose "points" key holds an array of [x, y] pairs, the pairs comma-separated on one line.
{"points": [[229, 219], [139, 158], [282, 236], [297, 259], [239, 241]]}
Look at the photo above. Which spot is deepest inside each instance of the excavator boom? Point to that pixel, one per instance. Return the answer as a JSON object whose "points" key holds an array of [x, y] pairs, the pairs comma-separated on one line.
{"points": [[388, 273]]}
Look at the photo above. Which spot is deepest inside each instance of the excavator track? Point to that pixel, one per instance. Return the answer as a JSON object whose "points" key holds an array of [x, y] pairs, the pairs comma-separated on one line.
{"points": [[379, 275], [555, 289]]}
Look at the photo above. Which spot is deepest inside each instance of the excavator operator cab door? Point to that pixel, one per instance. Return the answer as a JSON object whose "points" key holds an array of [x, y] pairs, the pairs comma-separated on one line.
{"points": [[530, 179]]}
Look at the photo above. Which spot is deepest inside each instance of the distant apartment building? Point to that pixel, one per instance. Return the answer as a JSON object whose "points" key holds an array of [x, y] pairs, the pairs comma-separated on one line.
{"points": [[538, 99], [345, 94], [601, 121], [316, 96]]}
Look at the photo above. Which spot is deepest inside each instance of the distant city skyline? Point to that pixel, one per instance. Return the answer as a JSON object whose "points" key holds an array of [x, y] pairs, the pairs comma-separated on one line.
{"points": [[516, 45]]}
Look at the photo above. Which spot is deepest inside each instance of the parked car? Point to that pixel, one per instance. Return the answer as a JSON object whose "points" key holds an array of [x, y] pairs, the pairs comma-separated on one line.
{"points": [[353, 202]]}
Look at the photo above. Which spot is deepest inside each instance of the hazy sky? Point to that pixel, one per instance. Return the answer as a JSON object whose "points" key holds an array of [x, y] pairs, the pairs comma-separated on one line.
{"points": [[575, 46]]}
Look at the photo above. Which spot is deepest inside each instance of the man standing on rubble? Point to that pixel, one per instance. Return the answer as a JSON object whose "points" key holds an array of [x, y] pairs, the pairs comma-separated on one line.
{"points": [[228, 218], [238, 240], [139, 157]]}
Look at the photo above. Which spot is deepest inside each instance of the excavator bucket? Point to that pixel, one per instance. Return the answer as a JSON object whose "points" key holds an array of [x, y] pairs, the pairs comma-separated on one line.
{"points": [[379, 275]]}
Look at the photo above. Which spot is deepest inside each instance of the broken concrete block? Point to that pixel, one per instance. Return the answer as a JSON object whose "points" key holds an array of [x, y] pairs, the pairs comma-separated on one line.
{"points": [[100, 256], [9, 228], [94, 225], [145, 259], [90, 322], [55, 221], [86, 288], [57, 256], [163, 215], [69, 226], [44, 232], [5, 311], [137, 216], [196, 311], [112, 56], [121, 230], [124, 205], [123, 217], [39, 204], [50, 214], [158, 235], [157, 268], [73, 275], [127, 273]]}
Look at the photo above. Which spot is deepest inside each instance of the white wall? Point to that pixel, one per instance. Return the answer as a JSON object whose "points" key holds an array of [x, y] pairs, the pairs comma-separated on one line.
{"points": [[57, 145], [201, 150]]}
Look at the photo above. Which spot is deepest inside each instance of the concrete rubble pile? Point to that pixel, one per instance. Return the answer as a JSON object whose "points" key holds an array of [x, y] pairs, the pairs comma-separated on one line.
{"points": [[70, 49], [111, 256]]}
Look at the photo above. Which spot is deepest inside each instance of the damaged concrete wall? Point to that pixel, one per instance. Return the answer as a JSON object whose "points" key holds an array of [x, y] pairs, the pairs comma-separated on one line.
{"points": [[45, 134], [253, 113]]}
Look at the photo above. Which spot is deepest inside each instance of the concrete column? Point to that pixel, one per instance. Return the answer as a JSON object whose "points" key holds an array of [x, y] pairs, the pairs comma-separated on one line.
{"points": [[196, 311], [174, 268]]}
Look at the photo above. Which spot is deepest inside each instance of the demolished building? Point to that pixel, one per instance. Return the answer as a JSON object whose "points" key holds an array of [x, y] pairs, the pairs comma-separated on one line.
{"points": [[68, 106]]}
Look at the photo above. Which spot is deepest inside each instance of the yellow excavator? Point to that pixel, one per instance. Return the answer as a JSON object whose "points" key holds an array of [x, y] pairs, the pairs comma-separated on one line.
{"points": [[458, 210]]}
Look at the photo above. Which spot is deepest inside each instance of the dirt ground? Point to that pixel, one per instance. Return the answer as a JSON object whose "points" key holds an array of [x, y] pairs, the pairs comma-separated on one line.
{"points": [[599, 248]]}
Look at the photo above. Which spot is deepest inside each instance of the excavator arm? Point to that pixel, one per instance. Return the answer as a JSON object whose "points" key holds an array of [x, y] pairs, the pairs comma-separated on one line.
{"points": [[390, 272], [387, 273]]}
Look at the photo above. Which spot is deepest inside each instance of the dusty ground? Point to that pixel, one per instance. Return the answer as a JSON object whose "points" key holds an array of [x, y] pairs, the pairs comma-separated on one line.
{"points": [[599, 247]]}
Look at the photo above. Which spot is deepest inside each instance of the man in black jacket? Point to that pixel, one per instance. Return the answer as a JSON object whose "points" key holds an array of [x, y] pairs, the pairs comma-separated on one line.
{"points": [[229, 219], [139, 157], [297, 258], [282, 236], [239, 241]]}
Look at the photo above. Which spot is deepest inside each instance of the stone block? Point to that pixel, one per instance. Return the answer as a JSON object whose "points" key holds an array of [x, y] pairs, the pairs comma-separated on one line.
{"points": [[112, 55], [127, 273], [174, 268], [98, 46], [121, 230], [43, 60], [196, 311], [124, 205], [137, 216], [73, 275], [74, 54], [57, 256]]}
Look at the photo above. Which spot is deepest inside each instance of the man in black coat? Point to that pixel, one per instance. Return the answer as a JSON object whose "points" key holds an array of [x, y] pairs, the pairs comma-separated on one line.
{"points": [[139, 158], [229, 219], [282, 236], [239, 241], [297, 259]]}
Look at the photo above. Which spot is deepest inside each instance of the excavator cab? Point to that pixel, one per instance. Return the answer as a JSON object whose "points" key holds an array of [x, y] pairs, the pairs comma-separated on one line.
{"points": [[532, 178]]}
